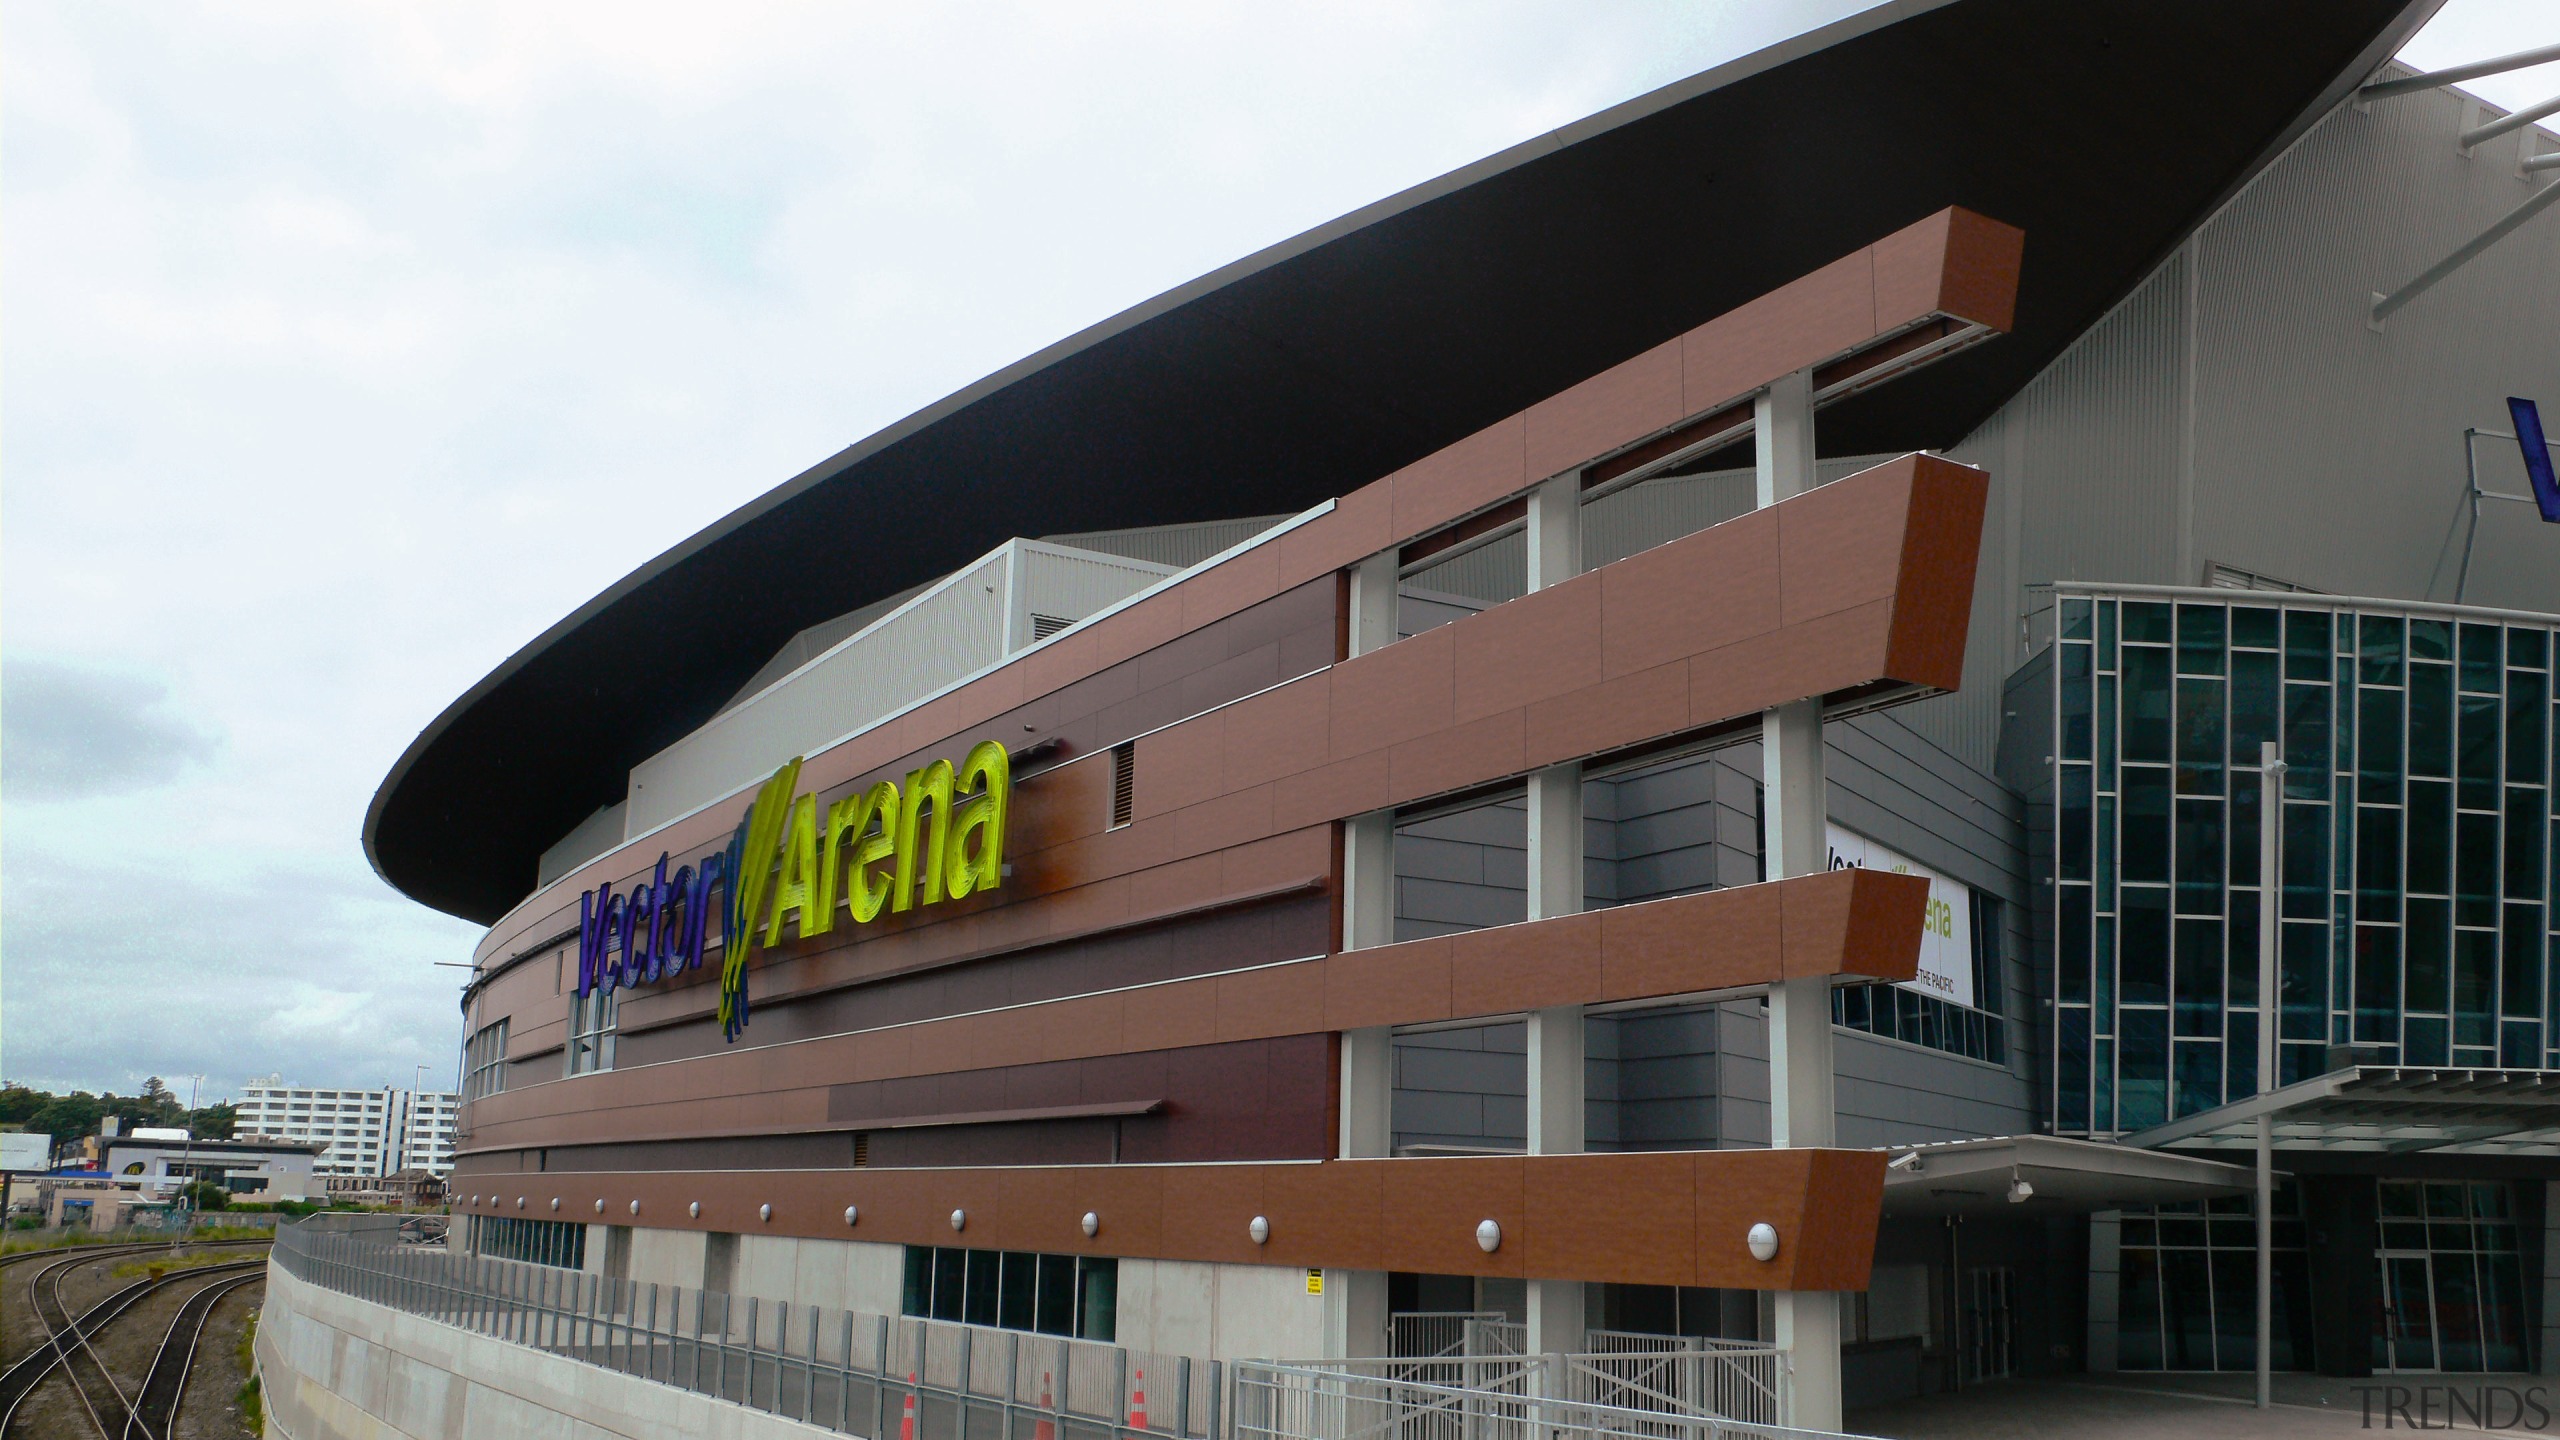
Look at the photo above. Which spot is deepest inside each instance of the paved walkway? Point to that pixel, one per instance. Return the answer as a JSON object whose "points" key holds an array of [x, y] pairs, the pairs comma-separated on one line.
{"points": [[2201, 1407]]}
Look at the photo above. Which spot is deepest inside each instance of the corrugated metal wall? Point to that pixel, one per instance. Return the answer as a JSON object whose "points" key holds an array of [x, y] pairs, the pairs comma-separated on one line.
{"points": [[962, 625], [1179, 546], [1066, 585], [2329, 454], [2235, 408]]}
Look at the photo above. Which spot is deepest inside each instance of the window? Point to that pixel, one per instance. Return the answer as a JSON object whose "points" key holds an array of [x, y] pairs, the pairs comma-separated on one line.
{"points": [[1921, 1019], [2414, 906], [592, 1018], [484, 1061], [1012, 1290], [2186, 1293], [537, 1242]]}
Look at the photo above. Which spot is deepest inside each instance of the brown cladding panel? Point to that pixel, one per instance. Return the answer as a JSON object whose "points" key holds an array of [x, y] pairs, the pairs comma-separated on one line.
{"points": [[1613, 1220], [1940, 550], [1611, 1217], [1633, 398]]}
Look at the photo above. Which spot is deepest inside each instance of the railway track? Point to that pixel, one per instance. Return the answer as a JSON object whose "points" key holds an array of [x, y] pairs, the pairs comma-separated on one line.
{"points": [[155, 1407], [69, 1345]]}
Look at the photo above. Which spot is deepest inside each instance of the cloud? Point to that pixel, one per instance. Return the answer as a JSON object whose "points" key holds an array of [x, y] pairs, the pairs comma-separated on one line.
{"points": [[74, 732], [377, 338], [208, 965]]}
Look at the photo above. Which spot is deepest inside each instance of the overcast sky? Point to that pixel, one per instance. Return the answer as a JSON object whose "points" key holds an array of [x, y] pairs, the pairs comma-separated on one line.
{"points": [[349, 347]]}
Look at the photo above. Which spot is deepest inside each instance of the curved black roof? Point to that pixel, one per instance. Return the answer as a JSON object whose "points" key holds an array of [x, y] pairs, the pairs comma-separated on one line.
{"points": [[2103, 128]]}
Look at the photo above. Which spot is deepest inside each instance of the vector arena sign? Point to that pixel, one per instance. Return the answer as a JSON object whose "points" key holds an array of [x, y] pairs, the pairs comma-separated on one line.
{"points": [[940, 837]]}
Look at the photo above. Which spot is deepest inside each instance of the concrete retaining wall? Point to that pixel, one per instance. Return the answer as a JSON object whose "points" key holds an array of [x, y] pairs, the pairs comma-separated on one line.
{"points": [[333, 1367]]}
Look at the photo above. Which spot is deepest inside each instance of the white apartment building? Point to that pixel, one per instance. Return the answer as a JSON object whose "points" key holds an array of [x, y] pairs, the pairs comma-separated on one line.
{"points": [[368, 1132]]}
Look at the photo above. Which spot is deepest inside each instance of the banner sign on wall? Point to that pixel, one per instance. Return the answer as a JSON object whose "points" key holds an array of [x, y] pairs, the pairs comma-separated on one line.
{"points": [[1946, 933]]}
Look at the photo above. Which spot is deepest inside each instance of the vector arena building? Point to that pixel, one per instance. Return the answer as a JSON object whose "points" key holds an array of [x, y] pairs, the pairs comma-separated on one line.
{"points": [[1651, 747]]}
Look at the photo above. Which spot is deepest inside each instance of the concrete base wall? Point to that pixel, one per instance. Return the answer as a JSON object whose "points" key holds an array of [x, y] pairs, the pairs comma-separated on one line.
{"points": [[332, 1367], [830, 1274], [1219, 1312]]}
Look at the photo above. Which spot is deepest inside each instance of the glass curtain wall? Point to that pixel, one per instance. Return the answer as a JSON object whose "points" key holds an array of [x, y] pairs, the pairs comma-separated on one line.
{"points": [[2417, 833], [2187, 1296]]}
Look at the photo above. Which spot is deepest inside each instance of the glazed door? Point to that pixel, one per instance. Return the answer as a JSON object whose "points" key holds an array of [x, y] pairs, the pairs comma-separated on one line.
{"points": [[2405, 1333]]}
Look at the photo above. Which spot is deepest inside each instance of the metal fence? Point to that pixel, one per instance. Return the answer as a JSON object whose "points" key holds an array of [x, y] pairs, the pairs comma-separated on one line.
{"points": [[1506, 1398], [843, 1369], [1691, 1374], [1424, 1333]]}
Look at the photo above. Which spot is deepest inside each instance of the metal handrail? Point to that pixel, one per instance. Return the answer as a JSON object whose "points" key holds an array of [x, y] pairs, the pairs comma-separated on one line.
{"points": [[1330, 1401], [839, 1369]]}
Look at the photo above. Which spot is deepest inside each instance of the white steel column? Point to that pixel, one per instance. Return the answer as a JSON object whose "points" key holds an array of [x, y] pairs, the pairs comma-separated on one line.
{"points": [[1355, 1301], [1556, 1090], [1793, 820]]}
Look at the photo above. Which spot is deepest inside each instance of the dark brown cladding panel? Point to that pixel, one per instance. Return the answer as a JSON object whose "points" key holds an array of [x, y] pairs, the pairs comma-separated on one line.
{"points": [[1287, 927], [1668, 1218], [1857, 922], [1245, 1100]]}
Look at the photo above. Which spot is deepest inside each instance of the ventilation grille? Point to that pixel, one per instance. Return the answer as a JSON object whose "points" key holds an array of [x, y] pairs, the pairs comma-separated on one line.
{"points": [[2232, 577], [1044, 626], [1124, 781], [861, 1148]]}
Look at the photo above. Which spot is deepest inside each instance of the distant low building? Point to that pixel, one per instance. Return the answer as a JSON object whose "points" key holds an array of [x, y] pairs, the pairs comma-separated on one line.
{"points": [[261, 1170], [411, 1189]]}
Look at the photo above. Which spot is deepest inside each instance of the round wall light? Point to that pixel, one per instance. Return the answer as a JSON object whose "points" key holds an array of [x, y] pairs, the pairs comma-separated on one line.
{"points": [[764, 1212], [1488, 1235], [519, 1202], [1091, 1224], [852, 1213], [1260, 1230], [599, 1204], [555, 1202], [635, 1207], [959, 1219], [694, 1209], [1763, 1240]]}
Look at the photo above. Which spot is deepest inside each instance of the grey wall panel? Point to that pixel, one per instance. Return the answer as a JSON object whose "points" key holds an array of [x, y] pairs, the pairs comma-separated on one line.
{"points": [[1894, 784], [1742, 1075], [1464, 1088], [1891, 1093], [1666, 1079], [1463, 871]]}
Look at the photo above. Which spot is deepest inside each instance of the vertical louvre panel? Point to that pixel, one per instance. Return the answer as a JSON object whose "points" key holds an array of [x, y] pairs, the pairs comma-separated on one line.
{"points": [[1124, 781]]}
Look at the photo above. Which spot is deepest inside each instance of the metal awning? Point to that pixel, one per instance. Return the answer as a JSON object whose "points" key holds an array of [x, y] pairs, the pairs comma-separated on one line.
{"points": [[2382, 1109], [1978, 1177]]}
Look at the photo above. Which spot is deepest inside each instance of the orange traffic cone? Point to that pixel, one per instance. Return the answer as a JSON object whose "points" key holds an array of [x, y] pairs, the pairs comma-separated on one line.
{"points": [[1138, 1403], [907, 1422], [1045, 1428]]}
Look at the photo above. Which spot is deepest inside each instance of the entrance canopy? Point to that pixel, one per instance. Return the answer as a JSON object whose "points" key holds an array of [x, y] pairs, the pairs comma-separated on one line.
{"points": [[2380, 1109], [2045, 1175]]}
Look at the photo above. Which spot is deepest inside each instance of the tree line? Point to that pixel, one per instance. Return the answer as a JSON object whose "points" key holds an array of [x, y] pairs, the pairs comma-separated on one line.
{"points": [[69, 1117]]}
